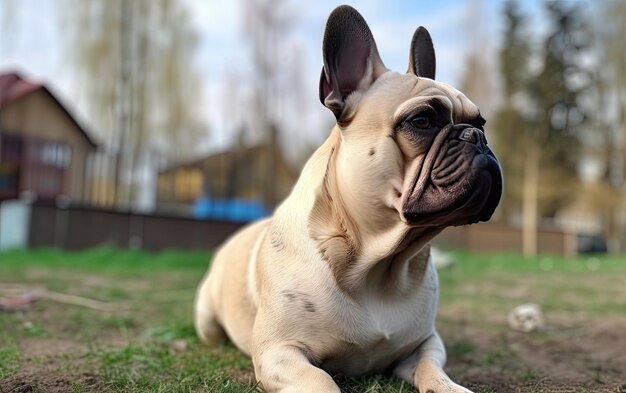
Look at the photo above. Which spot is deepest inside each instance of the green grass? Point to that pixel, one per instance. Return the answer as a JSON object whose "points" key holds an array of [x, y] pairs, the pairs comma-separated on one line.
{"points": [[9, 362], [104, 260], [557, 283], [134, 348], [460, 348], [473, 265]]}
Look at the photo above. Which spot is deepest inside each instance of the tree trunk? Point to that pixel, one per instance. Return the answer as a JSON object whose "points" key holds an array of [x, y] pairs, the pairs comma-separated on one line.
{"points": [[124, 99], [530, 203]]}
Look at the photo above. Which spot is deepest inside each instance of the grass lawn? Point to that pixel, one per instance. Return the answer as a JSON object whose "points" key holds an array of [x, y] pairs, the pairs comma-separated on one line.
{"points": [[140, 336]]}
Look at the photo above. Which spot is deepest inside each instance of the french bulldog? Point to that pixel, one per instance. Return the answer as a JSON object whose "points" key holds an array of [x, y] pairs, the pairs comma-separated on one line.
{"points": [[339, 281]]}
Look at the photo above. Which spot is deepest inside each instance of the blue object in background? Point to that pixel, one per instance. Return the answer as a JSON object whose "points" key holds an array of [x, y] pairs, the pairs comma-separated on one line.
{"points": [[235, 210]]}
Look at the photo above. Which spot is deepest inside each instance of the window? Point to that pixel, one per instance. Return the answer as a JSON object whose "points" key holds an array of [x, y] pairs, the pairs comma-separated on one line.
{"points": [[53, 154], [45, 167]]}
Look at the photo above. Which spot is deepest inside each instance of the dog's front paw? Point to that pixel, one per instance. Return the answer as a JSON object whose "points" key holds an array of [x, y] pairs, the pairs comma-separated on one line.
{"points": [[442, 386]]}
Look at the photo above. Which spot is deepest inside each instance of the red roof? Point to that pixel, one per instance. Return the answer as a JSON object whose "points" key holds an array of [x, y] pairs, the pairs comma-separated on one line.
{"points": [[13, 87]]}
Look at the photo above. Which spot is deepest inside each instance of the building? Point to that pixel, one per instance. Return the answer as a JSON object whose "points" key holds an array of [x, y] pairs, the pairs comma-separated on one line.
{"points": [[249, 174], [43, 149]]}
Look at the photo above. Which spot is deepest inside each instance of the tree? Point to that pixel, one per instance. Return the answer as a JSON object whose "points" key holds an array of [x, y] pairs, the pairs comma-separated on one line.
{"points": [[275, 77], [558, 91], [134, 60], [543, 114], [607, 144], [478, 82], [512, 127]]}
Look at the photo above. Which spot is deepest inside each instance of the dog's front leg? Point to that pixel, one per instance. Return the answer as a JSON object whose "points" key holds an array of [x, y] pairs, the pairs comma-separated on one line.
{"points": [[424, 368], [284, 368]]}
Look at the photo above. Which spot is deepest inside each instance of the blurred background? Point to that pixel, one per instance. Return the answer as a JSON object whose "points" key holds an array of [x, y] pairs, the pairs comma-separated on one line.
{"points": [[169, 124]]}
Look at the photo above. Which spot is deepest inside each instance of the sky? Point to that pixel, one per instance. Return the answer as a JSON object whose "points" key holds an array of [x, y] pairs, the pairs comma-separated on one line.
{"points": [[35, 48]]}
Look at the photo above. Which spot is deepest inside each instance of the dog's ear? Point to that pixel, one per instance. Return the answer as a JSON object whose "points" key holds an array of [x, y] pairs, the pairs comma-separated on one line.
{"points": [[351, 60], [422, 56]]}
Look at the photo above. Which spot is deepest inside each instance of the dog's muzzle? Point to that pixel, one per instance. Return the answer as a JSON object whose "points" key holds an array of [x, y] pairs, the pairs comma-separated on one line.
{"points": [[464, 182]]}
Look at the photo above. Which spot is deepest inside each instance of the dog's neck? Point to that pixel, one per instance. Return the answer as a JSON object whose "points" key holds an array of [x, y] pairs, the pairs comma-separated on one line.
{"points": [[364, 243]]}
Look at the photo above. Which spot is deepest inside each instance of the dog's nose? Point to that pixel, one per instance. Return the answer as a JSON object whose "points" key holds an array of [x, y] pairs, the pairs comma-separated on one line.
{"points": [[475, 136]]}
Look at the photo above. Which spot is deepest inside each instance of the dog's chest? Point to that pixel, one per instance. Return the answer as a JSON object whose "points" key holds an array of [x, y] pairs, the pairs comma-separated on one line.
{"points": [[380, 333]]}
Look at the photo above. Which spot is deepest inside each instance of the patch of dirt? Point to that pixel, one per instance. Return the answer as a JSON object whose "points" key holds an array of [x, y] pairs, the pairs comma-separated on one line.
{"points": [[46, 381], [503, 384], [50, 366], [85, 281], [582, 357], [43, 347]]}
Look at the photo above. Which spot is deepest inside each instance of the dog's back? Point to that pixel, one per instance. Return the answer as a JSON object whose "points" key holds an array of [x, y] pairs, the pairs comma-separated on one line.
{"points": [[229, 267]]}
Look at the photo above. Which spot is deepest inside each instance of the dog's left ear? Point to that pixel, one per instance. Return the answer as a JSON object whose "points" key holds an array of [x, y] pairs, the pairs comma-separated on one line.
{"points": [[351, 60], [422, 56]]}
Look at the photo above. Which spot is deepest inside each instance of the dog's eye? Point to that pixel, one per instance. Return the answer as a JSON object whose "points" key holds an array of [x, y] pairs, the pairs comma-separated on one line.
{"points": [[422, 122]]}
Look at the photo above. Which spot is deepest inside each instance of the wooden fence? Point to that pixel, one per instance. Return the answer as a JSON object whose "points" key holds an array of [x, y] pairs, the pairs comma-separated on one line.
{"points": [[491, 237], [75, 227]]}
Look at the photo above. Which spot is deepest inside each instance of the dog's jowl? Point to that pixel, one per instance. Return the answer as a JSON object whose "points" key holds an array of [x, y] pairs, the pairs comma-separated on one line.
{"points": [[339, 280]]}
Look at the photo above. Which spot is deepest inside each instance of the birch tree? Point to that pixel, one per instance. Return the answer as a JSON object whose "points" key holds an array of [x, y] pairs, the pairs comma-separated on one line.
{"points": [[135, 63]]}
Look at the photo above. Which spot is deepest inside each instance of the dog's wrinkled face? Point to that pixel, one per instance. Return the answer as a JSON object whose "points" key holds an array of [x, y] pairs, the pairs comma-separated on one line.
{"points": [[451, 176], [417, 142]]}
